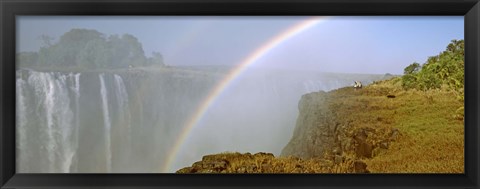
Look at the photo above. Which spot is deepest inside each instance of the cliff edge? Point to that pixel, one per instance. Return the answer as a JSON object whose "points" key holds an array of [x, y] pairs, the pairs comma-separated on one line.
{"points": [[381, 128]]}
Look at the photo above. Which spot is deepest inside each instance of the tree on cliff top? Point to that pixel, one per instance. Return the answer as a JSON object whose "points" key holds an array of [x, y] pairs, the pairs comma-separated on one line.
{"points": [[90, 49], [445, 69]]}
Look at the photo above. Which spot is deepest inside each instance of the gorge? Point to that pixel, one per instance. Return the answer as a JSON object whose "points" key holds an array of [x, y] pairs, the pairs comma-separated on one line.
{"points": [[128, 120]]}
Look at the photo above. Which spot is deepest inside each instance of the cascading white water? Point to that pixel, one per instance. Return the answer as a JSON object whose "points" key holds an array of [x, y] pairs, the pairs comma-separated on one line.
{"points": [[76, 89], [21, 127], [52, 98], [310, 86], [123, 109], [65, 125], [107, 124], [44, 90]]}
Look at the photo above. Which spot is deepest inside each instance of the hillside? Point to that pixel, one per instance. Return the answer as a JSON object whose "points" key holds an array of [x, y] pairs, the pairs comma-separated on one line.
{"points": [[381, 128]]}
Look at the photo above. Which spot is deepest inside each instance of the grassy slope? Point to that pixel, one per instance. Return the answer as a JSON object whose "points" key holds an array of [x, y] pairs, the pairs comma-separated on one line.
{"points": [[431, 136], [432, 139]]}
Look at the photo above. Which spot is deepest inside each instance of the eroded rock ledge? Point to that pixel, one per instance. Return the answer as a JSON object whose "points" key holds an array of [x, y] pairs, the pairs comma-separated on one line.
{"points": [[331, 126]]}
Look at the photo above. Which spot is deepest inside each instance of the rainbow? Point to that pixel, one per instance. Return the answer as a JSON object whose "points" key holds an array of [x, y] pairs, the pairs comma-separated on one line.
{"points": [[222, 85]]}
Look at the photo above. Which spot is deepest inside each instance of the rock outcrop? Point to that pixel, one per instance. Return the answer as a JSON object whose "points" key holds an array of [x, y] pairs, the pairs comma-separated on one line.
{"points": [[335, 132], [328, 127], [315, 128], [267, 163]]}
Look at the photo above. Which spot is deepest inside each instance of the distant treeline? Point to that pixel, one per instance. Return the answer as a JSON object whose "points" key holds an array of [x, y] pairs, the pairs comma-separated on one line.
{"points": [[89, 49], [445, 70]]}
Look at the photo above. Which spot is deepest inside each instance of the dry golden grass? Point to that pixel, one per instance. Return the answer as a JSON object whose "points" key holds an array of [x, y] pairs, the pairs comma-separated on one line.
{"points": [[266, 163]]}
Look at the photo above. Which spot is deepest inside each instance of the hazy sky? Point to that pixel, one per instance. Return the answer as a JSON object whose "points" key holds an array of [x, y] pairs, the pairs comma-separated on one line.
{"points": [[338, 44]]}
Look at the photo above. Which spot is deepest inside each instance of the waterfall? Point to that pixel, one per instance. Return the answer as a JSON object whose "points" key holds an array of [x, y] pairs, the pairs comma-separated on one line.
{"points": [[65, 124], [75, 80], [123, 109], [53, 100], [21, 120], [44, 90], [107, 124], [125, 120]]}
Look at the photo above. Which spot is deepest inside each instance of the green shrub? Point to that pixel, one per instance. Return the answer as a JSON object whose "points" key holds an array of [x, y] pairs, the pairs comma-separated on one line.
{"points": [[445, 69]]}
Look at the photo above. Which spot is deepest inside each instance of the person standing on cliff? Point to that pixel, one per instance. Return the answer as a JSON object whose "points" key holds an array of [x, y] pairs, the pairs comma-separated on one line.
{"points": [[357, 85]]}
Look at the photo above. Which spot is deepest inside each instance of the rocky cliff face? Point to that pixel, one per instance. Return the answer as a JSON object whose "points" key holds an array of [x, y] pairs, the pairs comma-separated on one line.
{"points": [[335, 132], [331, 126], [315, 128]]}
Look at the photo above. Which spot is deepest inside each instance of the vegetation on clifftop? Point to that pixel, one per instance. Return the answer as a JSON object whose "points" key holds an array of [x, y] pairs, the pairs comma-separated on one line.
{"points": [[444, 70], [84, 49]]}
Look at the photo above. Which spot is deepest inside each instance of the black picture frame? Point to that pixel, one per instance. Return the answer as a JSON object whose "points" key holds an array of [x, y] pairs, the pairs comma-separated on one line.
{"points": [[9, 9]]}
